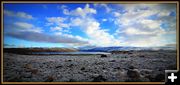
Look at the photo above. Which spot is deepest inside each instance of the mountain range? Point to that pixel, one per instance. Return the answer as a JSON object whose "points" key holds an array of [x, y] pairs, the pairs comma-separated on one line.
{"points": [[122, 48]]}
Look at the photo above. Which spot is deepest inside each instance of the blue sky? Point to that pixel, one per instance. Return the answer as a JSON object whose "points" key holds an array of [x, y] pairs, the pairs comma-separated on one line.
{"points": [[83, 24]]}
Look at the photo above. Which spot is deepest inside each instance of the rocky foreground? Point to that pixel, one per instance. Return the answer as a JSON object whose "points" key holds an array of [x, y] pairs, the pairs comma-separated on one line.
{"points": [[134, 66]]}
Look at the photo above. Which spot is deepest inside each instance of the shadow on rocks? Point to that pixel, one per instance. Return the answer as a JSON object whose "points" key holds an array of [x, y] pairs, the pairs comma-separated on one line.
{"points": [[99, 78]]}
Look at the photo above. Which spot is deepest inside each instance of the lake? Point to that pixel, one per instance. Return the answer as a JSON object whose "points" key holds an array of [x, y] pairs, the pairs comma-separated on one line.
{"points": [[67, 53]]}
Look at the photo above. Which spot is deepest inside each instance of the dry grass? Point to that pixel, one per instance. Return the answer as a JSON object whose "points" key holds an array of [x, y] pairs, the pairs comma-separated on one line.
{"points": [[31, 69], [28, 66]]}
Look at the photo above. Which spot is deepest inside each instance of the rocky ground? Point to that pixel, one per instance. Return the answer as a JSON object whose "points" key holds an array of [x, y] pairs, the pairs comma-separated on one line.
{"points": [[134, 66]]}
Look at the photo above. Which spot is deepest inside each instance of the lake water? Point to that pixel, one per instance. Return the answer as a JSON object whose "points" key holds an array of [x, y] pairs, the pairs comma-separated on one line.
{"points": [[66, 53]]}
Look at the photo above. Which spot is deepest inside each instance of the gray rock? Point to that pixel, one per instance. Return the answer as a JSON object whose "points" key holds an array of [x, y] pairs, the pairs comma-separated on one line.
{"points": [[102, 56], [26, 75], [133, 73], [99, 78]]}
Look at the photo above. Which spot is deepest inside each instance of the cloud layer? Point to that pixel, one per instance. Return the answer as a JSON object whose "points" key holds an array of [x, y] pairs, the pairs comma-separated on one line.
{"points": [[40, 37], [18, 14], [97, 25]]}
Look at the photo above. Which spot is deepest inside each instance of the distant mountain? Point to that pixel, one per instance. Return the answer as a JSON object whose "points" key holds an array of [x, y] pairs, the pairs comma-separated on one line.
{"points": [[121, 48], [31, 50]]}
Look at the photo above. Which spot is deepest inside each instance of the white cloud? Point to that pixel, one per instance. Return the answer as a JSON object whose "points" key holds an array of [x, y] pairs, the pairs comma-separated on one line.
{"points": [[18, 14], [41, 37], [80, 11], [91, 27], [56, 28], [55, 20], [57, 24], [61, 7], [117, 14], [105, 6], [76, 21], [96, 35], [134, 31], [104, 20], [82, 41], [139, 29], [23, 26]]}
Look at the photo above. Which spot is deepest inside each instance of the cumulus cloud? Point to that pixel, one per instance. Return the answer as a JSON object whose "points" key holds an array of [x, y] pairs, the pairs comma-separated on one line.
{"points": [[138, 26], [55, 20], [18, 14], [97, 36], [91, 27], [80, 11], [56, 28], [105, 6], [57, 24]]}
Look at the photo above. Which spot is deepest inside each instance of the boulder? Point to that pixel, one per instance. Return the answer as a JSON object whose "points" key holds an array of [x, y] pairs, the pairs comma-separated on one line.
{"points": [[102, 56], [131, 67], [160, 77], [82, 68], [133, 73], [141, 56], [112, 61], [99, 78], [26, 74], [49, 79]]}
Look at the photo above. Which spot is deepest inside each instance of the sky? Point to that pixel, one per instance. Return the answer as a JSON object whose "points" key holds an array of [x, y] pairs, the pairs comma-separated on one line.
{"points": [[88, 24]]}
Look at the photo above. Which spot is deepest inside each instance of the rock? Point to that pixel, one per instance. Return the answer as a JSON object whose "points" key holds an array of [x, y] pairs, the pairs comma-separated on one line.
{"points": [[71, 65], [99, 63], [131, 67], [34, 71], [160, 77], [26, 80], [82, 68], [150, 77], [14, 79], [112, 61], [72, 80], [26, 75], [99, 79], [117, 68], [49, 79], [102, 56], [130, 53], [137, 80], [68, 60], [132, 80], [172, 67], [59, 66], [144, 79], [146, 71], [133, 73], [141, 56], [28, 66]]}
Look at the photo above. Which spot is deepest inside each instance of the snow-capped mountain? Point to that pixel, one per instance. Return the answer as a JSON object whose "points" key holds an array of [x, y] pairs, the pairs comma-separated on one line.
{"points": [[121, 48]]}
